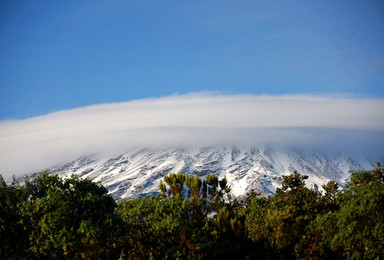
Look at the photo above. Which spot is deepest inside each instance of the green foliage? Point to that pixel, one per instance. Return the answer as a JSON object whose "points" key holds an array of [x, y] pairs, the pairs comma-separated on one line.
{"points": [[194, 185], [175, 183], [213, 227], [69, 218], [212, 180], [279, 222], [12, 234], [293, 182], [328, 202], [152, 227], [358, 226], [302, 223], [208, 190], [53, 218]]}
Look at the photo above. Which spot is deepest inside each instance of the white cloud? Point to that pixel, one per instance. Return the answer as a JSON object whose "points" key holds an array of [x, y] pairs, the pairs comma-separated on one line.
{"points": [[195, 119]]}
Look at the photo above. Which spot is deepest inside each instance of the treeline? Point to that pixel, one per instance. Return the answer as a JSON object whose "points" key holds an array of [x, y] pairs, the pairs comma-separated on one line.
{"points": [[49, 217]]}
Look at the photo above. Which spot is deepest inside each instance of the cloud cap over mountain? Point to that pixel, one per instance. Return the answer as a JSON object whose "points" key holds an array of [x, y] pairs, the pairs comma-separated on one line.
{"points": [[200, 119]]}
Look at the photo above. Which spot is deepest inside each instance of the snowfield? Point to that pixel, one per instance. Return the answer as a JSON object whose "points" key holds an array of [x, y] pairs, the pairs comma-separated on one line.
{"points": [[138, 172]]}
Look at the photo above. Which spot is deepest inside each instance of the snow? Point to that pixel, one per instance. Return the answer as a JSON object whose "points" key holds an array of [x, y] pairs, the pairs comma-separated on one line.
{"points": [[139, 171]]}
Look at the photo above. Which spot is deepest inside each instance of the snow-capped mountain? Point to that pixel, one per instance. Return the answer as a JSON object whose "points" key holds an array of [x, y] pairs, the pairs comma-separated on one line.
{"points": [[137, 173]]}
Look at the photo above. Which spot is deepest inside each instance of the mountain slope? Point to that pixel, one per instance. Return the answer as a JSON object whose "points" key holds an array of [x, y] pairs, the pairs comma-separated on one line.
{"points": [[138, 172]]}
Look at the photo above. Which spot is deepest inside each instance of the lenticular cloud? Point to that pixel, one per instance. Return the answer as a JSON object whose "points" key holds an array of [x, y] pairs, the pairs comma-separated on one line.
{"points": [[191, 120]]}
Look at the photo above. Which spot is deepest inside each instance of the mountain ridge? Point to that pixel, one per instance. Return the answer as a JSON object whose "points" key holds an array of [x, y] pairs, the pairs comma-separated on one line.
{"points": [[137, 173]]}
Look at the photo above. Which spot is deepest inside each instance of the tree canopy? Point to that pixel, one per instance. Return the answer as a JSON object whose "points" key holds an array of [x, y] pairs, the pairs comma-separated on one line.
{"points": [[193, 218]]}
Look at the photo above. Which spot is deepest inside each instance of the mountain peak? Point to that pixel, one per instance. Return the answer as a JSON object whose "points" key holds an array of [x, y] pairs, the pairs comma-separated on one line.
{"points": [[137, 173]]}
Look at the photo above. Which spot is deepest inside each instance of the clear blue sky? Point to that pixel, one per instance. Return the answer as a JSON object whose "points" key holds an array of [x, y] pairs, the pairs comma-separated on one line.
{"points": [[63, 54]]}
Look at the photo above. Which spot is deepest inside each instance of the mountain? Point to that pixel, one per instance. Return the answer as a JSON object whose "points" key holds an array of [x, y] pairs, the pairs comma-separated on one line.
{"points": [[137, 173]]}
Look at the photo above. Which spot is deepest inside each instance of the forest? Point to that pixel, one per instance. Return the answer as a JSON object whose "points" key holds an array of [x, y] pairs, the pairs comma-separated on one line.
{"points": [[49, 217]]}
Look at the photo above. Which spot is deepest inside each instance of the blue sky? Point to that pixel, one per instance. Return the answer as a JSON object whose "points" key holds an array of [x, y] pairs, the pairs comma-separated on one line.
{"points": [[306, 73], [57, 55]]}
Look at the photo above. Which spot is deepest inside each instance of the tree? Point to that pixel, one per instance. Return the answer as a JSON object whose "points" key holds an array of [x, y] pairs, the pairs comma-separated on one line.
{"points": [[279, 223], [67, 218], [152, 228], [213, 228], [356, 229], [51, 217], [13, 238]]}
